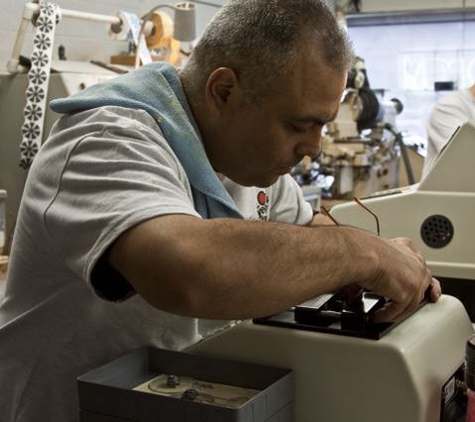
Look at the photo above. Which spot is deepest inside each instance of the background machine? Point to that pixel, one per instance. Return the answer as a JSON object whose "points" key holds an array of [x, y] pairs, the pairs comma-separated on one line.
{"points": [[362, 151]]}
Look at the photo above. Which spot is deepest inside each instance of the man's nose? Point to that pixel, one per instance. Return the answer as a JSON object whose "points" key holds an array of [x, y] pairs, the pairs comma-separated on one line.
{"points": [[310, 146]]}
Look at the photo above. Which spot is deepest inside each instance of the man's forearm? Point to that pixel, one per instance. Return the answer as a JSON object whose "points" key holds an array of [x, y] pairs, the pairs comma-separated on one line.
{"points": [[225, 268]]}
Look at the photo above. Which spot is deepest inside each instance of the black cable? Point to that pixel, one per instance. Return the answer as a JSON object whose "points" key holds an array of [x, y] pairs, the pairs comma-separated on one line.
{"points": [[405, 155]]}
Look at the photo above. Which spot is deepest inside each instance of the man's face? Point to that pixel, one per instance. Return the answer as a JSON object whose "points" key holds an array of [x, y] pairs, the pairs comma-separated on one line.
{"points": [[255, 144]]}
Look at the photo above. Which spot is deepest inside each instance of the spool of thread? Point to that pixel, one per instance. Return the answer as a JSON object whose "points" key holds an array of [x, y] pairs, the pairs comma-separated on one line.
{"points": [[185, 22], [162, 31], [120, 32], [130, 28]]}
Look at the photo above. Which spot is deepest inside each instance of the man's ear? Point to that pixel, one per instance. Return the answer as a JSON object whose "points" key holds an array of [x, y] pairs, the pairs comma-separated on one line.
{"points": [[221, 86]]}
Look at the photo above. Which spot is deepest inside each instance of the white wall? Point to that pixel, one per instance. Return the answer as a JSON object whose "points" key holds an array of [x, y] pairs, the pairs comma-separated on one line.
{"points": [[83, 40], [402, 5], [406, 60]]}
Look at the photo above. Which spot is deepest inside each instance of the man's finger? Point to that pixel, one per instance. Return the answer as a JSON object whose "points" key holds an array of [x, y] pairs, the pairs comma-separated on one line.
{"points": [[435, 290], [394, 311]]}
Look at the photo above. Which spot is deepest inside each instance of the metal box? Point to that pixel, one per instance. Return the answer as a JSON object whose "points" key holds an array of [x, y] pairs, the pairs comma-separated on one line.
{"points": [[109, 393]]}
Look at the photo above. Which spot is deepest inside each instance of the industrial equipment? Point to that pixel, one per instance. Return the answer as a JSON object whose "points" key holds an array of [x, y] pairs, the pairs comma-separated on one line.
{"points": [[361, 149], [411, 371], [323, 360], [436, 214]]}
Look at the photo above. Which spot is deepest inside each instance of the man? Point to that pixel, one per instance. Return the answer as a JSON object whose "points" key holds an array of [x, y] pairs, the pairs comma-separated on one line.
{"points": [[450, 112], [133, 224]]}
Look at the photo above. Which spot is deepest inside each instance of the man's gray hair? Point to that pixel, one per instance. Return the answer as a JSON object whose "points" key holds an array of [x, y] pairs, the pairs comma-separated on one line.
{"points": [[261, 39]]}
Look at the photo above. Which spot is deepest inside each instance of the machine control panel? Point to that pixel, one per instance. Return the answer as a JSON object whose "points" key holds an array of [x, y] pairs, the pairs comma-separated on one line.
{"points": [[338, 313]]}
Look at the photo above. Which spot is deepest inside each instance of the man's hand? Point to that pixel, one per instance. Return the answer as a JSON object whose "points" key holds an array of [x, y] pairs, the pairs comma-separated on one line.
{"points": [[403, 277]]}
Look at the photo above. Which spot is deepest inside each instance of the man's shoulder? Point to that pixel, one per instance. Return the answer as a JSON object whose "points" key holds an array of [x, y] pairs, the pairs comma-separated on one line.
{"points": [[109, 115], [115, 122]]}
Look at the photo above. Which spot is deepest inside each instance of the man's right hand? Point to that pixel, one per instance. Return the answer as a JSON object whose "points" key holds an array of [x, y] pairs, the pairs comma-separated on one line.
{"points": [[401, 274]]}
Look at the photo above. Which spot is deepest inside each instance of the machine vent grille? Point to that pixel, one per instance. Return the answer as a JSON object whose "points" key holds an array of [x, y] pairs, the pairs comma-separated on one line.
{"points": [[437, 231]]}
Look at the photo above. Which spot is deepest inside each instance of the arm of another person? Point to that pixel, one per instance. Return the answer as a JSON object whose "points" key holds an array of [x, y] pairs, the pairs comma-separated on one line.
{"points": [[235, 269]]}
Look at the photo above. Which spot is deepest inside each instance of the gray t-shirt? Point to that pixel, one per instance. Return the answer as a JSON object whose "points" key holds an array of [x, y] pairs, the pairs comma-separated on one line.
{"points": [[101, 172]]}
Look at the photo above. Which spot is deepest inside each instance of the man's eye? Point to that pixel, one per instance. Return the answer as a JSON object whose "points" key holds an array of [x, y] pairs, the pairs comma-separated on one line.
{"points": [[298, 129]]}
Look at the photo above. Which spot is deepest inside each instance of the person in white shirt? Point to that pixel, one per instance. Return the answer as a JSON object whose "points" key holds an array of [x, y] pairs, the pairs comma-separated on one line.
{"points": [[451, 111]]}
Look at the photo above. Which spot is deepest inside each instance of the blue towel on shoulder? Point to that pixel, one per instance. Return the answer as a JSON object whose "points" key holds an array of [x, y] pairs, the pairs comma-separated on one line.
{"points": [[156, 88]]}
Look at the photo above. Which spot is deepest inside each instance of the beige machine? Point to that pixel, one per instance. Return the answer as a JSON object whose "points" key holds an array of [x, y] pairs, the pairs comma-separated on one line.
{"points": [[361, 164], [437, 214], [409, 374], [361, 148]]}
